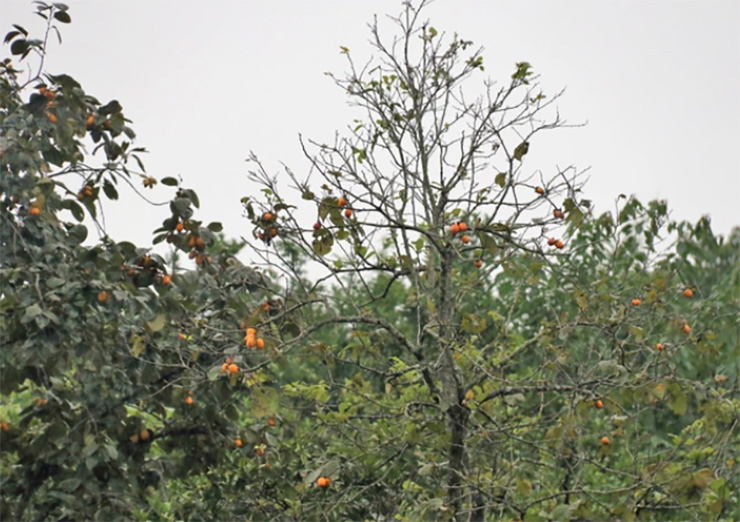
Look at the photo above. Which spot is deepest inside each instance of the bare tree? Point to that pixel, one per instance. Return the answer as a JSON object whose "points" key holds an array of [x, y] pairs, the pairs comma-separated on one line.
{"points": [[428, 177]]}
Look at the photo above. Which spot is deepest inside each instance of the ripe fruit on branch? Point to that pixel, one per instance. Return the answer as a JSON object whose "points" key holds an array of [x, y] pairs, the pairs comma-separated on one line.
{"points": [[559, 244], [189, 400], [454, 228], [598, 404], [316, 226], [465, 240], [605, 441], [166, 279], [267, 216], [539, 190], [478, 263], [102, 296], [686, 328], [557, 213], [552, 241], [342, 202], [348, 213], [659, 347], [270, 421], [636, 302], [238, 443], [34, 211], [688, 293], [323, 482], [260, 343], [233, 368], [463, 226]]}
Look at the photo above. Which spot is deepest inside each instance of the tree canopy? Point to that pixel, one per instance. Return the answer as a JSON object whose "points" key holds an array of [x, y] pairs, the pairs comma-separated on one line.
{"points": [[417, 327]]}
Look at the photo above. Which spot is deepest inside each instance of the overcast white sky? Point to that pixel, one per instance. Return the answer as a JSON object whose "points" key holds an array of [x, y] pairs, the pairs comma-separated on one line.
{"points": [[205, 82]]}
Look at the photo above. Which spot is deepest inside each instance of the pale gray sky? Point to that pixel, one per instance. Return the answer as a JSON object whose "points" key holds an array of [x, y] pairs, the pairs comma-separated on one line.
{"points": [[205, 82]]}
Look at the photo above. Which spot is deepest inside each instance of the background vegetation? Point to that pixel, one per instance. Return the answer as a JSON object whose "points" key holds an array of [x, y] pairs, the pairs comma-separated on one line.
{"points": [[428, 330]]}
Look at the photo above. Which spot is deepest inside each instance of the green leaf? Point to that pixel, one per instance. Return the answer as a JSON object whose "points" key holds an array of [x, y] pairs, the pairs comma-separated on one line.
{"points": [[156, 324], [521, 150], [500, 179], [169, 181], [215, 226], [53, 156], [488, 243], [30, 313], [111, 107], [474, 324], [110, 190], [10, 36], [678, 402], [214, 373], [322, 245], [63, 17], [78, 233], [19, 47], [561, 512], [193, 197], [137, 345], [703, 477]]}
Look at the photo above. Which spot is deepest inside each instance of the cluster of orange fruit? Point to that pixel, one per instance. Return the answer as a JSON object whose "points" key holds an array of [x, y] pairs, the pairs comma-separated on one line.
{"points": [[90, 125], [557, 243], [49, 95], [259, 451], [189, 400], [269, 227], [460, 227], [145, 263], [85, 192], [229, 366], [142, 436], [251, 339], [197, 249], [342, 203]]}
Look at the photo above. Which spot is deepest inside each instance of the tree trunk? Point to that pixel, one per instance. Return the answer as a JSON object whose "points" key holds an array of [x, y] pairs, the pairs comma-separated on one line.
{"points": [[458, 415]]}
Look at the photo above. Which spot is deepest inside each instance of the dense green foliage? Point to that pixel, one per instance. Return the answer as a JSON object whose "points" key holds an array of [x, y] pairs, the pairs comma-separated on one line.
{"points": [[429, 377]]}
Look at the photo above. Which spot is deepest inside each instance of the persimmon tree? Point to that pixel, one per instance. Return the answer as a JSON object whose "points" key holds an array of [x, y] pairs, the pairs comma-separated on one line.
{"points": [[111, 361], [494, 352]]}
